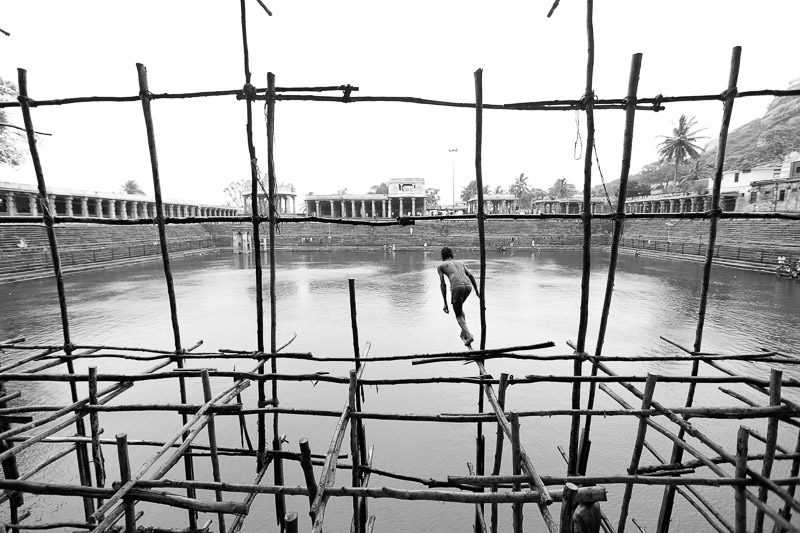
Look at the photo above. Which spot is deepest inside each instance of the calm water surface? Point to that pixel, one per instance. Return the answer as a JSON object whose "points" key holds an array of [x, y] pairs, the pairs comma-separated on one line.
{"points": [[530, 298]]}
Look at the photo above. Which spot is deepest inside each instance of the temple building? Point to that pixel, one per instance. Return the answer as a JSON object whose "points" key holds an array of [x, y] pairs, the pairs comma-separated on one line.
{"points": [[572, 205], [406, 197], [285, 195], [494, 204], [22, 199]]}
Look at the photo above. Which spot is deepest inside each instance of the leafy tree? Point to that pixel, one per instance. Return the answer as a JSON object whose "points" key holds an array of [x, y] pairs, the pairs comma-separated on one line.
{"points": [[342, 192], [11, 139], [471, 190], [778, 142], [681, 146], [379, 189], [636, 189], [499, 190], [562, 189], [131, 187], [432, 196], [235, 192]]}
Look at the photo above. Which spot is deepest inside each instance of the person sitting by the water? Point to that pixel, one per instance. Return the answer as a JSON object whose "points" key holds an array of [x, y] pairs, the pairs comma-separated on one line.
{"points": [[460, 279], [586, 518]]}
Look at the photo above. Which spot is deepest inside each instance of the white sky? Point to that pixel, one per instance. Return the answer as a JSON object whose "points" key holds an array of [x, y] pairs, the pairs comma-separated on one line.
{"points": [[427, 49]]}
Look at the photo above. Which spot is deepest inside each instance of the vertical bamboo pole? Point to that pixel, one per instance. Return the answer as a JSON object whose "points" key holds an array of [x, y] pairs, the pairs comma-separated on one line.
{"points": [[498, 452], [291, 522], [775, 377], [280, 500], [619, 220], [124, 477], [48, 217], [212, 443], [358, 423], [249, 93], [586, 216], [567, 504], [786, 512], [354, 454], [649, 389], [10, 470], [144, 95], [730, 95], [308, 471], [94, 423], [479, 440], [740, 504], [516, 469]]}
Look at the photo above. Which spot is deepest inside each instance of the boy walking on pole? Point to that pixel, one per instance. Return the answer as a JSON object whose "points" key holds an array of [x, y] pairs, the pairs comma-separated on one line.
{"points": [[460, 280]]}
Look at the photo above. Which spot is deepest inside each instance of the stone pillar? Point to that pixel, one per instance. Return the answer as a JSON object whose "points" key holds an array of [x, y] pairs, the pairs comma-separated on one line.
{"points": [[51, 204], [353, 207], [33, 205], [344, 209], [135, 210], [294, 205], [400, 206], [112, 209], [373, 208], [123, 209], [11, 206], [84, 207], [70, 212], [363, 209]]}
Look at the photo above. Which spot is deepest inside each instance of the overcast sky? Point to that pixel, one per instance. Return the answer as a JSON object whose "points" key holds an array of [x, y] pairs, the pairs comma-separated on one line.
{"points": [[426, 49]]}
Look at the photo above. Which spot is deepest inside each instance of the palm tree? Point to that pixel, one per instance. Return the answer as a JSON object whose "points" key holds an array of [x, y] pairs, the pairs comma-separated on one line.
{"points": [[131, 187], [562, 189], [681, 145], [520, 187]]}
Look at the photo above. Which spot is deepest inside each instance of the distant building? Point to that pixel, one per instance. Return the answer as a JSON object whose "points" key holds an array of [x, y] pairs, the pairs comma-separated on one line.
{"points": [[285, 204], [496, 204], [22, 199], [571, 205], [406, 197], [779, 194]]}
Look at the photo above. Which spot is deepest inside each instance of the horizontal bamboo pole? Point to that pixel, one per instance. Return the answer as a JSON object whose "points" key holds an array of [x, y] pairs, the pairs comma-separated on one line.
{"points": [[181, 408], [488, 481], [57, 489], [487, 380]]}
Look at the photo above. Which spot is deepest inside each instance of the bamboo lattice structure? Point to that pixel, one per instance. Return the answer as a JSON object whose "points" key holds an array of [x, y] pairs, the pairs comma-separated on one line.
{"points": [[110, 497]]}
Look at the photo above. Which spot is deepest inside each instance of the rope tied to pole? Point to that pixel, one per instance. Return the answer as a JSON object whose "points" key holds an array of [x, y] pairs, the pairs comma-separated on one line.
{"points": [[586, 217], [406, 221], [27, 100], [347, 90], [249, 91], [729, 93], [716, 212], [657, 103]]}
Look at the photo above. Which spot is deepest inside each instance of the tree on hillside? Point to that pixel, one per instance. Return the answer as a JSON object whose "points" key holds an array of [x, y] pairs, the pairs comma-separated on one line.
{"points": [[379, 189], [11, 139], [682, 145], [471, 190], [636, 189], [778, 142], [432, 196], [131, 187], [562, 189]]}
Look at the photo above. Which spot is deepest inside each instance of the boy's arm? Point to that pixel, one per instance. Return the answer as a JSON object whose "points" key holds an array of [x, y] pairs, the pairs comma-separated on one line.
{"points": [[444, 288]]}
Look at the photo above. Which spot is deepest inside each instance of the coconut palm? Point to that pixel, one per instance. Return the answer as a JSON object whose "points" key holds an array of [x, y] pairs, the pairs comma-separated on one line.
{"points": [[562, 189], [682, 145], [520, 187], [131, 187]]}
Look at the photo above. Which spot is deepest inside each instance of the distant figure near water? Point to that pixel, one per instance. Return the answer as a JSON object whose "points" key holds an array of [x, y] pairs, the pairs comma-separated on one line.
{"points": [[460, 279]]}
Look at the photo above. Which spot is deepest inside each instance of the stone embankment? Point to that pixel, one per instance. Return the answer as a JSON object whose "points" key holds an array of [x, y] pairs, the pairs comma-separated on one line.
{"points": [[754, 244]]}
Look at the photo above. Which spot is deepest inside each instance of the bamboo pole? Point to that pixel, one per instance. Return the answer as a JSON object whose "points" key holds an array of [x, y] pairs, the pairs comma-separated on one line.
{"points": [[586, 218], [94, 424], [567, 505], [786, 512], [479, 180], [480, 525], [10, 470], [650, 388], [516, 463], [290, 521], [144, 95], [498, 453], [125, 476], [741, 473], [619, 221], [328, 476], [280, 502], [354, 451], [669, 495], [308, 471], [358, 423], [212, 442], [771, 442], [38, 468], [47, 216]]}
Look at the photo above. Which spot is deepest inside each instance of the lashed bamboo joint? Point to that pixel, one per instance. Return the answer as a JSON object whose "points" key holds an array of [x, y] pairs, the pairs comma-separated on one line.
{"points": [[110, 497]]}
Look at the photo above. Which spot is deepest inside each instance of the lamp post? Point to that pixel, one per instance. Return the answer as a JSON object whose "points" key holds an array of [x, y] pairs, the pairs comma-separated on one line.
{"points": [[453, 154]]}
